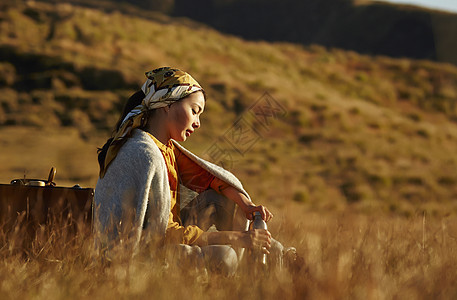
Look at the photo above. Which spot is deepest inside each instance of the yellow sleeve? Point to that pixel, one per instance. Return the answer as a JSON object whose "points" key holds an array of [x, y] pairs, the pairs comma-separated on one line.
{"points": [[178, 234]]}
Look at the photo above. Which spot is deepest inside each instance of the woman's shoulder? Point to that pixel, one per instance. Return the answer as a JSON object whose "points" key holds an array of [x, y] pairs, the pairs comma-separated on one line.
{"points": [[140, 145], [136, 162]]}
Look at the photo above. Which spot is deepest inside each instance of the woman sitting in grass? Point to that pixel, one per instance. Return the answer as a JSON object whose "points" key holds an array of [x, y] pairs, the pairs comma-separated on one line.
{"points": [[142, 167]]}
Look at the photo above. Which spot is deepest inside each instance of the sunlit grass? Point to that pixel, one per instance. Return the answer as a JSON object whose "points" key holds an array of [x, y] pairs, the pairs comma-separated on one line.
{"points": [[360, 172], [346, 256]]}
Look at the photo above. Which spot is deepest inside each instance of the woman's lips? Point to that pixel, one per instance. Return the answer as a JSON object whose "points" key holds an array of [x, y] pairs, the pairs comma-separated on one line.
{"points": [[188, 133]]}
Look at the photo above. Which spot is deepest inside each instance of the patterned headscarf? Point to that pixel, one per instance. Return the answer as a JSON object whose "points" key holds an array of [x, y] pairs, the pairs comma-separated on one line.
{"points": [[163, 87]]}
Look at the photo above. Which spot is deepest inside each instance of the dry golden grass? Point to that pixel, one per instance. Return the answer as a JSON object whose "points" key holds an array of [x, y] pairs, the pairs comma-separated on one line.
{"points": [[366, 147], [347, 256]]}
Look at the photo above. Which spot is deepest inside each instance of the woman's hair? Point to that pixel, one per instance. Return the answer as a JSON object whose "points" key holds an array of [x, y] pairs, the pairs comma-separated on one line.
{"points": [[132, 102]]}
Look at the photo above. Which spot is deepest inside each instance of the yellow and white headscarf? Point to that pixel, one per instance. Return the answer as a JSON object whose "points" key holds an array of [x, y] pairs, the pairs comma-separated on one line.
{"points": [[163, 87]]}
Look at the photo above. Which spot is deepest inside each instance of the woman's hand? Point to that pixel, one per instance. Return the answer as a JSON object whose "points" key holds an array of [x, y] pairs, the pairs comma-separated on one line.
{"points": [[244, 202], [257, 239], [264, 212]]}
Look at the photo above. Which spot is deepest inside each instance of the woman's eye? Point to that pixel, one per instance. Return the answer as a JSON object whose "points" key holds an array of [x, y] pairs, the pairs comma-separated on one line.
{"points": [[194, 111]]}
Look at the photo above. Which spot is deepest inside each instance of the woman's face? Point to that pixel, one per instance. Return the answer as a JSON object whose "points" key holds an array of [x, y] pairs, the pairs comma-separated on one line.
{"points": [[184, 116]]}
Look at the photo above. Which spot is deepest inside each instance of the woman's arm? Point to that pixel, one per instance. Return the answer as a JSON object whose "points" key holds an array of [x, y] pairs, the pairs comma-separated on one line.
{"points": [[198, 179], [239, 198]]}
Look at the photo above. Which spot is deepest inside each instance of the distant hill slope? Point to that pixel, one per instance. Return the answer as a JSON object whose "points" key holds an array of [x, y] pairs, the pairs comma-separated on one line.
{"points": [[369, 27], [336, 129], [365, 27]]}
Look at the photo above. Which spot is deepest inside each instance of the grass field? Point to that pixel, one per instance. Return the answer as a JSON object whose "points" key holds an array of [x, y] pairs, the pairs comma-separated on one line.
{"points": [[347, 256], [357, 163]]}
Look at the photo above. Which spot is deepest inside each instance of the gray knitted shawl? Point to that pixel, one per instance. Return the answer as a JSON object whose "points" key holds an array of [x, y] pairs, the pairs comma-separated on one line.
{"points": [[135, 190]]}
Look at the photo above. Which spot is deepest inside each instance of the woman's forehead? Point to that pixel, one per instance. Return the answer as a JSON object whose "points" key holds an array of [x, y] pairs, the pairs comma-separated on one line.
{"points": [[196, 98]]}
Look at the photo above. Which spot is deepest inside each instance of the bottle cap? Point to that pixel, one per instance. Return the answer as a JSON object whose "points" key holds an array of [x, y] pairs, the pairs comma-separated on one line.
{"points": [[257, 213]]}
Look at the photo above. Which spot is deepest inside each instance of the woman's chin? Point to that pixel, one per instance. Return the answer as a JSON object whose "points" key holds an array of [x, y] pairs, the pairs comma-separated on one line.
{"points": [[185, 136], [181, 138]]}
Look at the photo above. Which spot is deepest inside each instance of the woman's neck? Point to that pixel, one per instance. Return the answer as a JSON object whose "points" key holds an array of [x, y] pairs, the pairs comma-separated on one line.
{"points": [[156, 126]]}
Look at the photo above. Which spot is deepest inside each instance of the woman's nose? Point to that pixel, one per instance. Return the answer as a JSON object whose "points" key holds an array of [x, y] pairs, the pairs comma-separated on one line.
{"points": [[196, 123]]}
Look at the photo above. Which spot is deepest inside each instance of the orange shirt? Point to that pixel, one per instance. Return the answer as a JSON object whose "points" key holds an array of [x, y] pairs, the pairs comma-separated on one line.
{"points": [[182, 169]]}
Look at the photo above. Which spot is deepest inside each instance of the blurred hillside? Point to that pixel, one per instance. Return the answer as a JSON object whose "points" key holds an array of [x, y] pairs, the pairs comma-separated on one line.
{"points": [[375, 28], [336, 129]]}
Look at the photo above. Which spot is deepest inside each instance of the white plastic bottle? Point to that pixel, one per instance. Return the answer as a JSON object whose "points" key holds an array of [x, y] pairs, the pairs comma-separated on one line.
{"points": [[258, 223]]}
